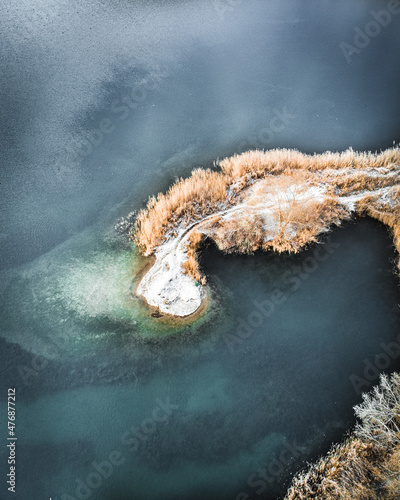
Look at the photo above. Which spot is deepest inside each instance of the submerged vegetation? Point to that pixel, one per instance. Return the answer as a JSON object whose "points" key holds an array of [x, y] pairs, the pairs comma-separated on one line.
{"points": [[278, 200], [367, 465]]}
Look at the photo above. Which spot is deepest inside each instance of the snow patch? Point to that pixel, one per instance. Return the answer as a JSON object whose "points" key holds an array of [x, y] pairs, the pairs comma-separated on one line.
{"points": [[166, 287]]}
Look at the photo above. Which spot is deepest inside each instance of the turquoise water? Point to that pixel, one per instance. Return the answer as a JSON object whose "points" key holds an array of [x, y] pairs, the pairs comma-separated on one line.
{"points": [[105, 103], [214, 403]]}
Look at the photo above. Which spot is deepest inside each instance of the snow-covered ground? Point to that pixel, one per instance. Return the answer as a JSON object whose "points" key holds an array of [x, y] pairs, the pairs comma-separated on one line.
{"points": [[166, 287]]}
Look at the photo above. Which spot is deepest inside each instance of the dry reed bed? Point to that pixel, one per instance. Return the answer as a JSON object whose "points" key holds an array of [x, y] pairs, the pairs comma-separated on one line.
{"points": [[367, 465], [279, 161], [246, 234], [203, 193], [191, 265], [206, 192]]}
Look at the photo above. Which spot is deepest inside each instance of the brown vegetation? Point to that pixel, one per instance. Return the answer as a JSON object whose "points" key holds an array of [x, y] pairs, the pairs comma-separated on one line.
{"points": [[301, 224], [237, 234], [367, 465], [247, 179], [297, 227], [359, 182], [191, 265], [185, 201], [281, 161], [345, 473]]}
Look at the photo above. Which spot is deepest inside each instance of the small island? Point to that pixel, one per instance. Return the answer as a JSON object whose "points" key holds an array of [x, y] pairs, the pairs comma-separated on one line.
{"points": [[279, 200]]}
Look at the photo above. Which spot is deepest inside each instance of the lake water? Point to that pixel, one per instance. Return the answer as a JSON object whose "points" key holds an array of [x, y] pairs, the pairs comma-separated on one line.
{"points": [[114, 404]]}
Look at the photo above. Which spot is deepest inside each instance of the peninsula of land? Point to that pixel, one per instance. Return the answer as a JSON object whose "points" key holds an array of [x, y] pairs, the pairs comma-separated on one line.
{"points": [[279, 200]]}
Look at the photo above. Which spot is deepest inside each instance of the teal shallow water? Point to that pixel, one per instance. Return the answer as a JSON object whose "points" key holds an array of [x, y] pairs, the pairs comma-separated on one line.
{"points": [[239, 388]]}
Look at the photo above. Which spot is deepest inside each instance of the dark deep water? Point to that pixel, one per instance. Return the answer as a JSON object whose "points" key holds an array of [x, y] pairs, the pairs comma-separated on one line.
{"points": [[105, 103]]}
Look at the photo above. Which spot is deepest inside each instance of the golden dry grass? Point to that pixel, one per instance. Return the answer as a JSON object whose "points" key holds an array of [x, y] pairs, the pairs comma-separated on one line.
{"points": [[298, 227], [306, 221], [237, 234], [344, 474], [185, 201], [191, 265], [356, 183], [392, 474], [277, 161], [205, 191], [367, 465], [246, 178]]}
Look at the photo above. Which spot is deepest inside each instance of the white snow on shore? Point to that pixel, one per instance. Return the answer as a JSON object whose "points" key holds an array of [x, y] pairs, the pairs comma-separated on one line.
{"points": [[166, 287], [351, 200]]}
